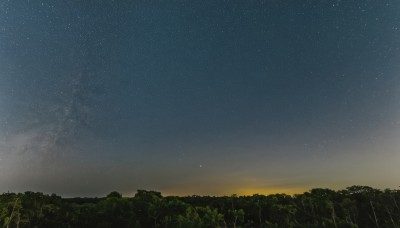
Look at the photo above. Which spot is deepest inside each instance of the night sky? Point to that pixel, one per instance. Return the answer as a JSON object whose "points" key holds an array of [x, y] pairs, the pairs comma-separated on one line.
{"points": [[198, 97]]}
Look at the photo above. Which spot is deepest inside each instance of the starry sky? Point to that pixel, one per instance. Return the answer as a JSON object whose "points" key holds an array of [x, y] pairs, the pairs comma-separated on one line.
{"points": [[198, 97]]}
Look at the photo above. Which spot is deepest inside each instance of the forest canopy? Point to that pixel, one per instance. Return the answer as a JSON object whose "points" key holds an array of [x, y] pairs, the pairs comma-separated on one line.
{"points": [[356, 206]]}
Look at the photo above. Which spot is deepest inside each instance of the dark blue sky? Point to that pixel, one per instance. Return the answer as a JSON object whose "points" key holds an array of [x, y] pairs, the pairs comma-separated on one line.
{"points": [[198, 97]]}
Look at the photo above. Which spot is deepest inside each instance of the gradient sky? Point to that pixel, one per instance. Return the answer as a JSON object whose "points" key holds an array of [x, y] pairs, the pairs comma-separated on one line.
{"points": [[198, 97]]}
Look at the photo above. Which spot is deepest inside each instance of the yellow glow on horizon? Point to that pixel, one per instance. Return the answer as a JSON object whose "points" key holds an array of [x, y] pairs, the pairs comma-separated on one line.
{"points": [[240, 191], [269, 191]]}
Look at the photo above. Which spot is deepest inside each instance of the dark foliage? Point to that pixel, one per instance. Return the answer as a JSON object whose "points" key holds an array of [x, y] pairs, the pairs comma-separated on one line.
{"points": [[356, 206]]}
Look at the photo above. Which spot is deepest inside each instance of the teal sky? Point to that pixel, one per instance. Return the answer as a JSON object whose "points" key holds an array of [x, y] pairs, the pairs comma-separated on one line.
{"points": [[198, 97]]}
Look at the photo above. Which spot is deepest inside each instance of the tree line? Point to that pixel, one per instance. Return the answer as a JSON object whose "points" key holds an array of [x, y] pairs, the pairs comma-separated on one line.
{"points": [[356, 206]]}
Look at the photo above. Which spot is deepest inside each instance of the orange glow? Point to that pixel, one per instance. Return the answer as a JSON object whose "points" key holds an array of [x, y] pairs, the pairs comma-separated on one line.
{"points": [[269, 190], [239, 191]]}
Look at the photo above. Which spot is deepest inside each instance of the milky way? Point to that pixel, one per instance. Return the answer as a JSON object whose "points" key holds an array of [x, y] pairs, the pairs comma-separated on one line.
{"points": [[207, 97]]}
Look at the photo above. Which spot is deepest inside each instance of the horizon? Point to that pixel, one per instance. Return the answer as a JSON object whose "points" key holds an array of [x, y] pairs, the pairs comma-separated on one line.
{"points": [[166, 194]]}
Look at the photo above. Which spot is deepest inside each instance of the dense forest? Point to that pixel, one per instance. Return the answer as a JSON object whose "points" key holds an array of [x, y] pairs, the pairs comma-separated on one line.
{"points": [[356, 206]]}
